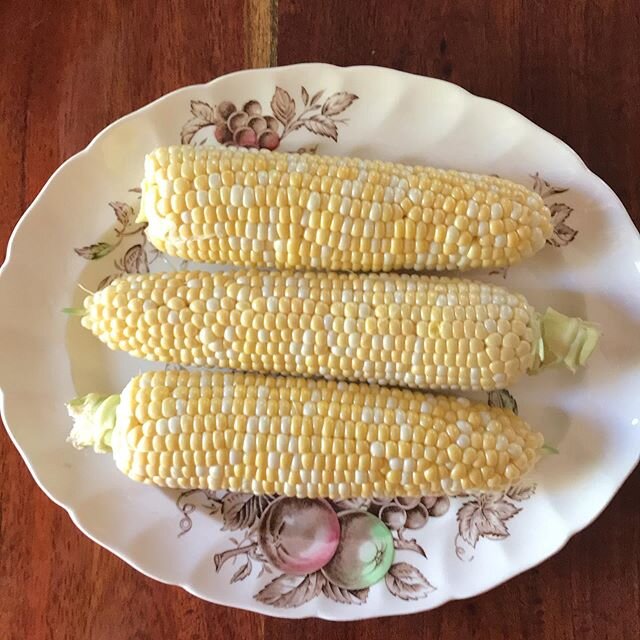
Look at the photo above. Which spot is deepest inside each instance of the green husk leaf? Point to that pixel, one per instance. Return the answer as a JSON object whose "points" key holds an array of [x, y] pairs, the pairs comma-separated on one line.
{"points": [[564, 340], [74, 311], [94, 418]]}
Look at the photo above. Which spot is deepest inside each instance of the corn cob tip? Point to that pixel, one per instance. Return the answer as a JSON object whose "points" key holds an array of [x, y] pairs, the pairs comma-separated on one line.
{"points": [[94, 418], [564, 340]]}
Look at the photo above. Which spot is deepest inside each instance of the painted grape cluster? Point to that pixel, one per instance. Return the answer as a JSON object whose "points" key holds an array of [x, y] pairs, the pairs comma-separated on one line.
{"points": [[251, 126], [409, 513], [246, 127]]}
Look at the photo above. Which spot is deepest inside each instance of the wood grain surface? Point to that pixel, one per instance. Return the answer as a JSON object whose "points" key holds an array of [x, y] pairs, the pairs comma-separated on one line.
{"points": [[70, 68]]}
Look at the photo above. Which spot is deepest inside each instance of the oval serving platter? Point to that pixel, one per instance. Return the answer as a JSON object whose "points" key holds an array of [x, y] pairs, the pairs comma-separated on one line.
{"points": [[235, 549]]}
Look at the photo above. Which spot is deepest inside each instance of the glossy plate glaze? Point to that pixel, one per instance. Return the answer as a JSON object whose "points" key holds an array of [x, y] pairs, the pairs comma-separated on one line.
{"points": [[271, 555]]}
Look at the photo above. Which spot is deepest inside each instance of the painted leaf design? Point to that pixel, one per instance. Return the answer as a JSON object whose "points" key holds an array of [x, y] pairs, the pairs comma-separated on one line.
{"points": [[563, 234], [544, 188], [521, 492], [322, 125], [407, 582], [467, 526], [191, 127], [152, 253], [283, 106], [305, 96], [496, 514], [135, 260], [105, 282], [316, 96], [243, 572], [538, 183], [122, 211], [265, 568], [344, 596], [560, 212], [291, 591], [204, 111], [502, 399], [411, 544], [95, 251], [485, 516], [241, 510], [337, 103]]}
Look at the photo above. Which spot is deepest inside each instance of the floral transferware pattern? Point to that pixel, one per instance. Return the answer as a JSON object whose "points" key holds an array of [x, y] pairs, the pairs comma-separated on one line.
{"points": [[267, 542], [269, 547], [133, 259], [563, 234], [250, 126]]}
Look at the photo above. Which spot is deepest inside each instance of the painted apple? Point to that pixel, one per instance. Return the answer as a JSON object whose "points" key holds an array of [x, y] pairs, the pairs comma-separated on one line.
{"points": [[364, 554], [299, 535]]}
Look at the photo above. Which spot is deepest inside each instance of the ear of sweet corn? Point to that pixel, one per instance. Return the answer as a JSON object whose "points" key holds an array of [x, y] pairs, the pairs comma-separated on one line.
{"points": [[414, 331], [271, 209], [303, 437]]}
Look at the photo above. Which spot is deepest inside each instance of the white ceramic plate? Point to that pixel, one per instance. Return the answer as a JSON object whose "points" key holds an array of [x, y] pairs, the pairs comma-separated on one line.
{"points": [[471, 544]]}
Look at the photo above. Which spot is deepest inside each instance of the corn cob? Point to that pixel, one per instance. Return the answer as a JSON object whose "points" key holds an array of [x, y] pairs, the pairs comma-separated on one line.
{"points": [[414, 331], [302, 437], [270, 209]]}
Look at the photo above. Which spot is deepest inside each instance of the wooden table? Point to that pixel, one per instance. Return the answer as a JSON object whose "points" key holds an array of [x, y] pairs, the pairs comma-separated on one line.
{"points": [[70, 68]]}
